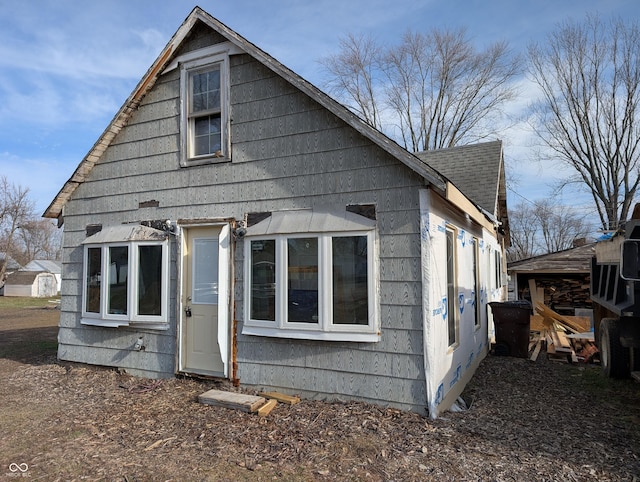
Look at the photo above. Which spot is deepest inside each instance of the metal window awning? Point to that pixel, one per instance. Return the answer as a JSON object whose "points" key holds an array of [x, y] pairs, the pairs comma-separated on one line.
{"points": [[310, 221], [125, 233]]}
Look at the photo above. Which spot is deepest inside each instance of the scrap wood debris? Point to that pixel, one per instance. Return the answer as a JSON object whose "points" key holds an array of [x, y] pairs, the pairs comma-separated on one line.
{"points": [[565, 337], [140, 387]]}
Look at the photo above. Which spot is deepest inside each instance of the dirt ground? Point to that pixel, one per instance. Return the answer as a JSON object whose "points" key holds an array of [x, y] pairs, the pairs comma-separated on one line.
{"points": [[527, 421]]}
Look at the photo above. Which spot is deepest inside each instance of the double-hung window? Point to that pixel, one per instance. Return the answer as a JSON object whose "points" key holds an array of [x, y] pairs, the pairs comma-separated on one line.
{"points": [[205, 98], [311, 285], [125, 278]]}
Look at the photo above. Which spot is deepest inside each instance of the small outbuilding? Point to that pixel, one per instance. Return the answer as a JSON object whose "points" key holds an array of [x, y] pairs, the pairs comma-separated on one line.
{"points": [[48, 265], [561, 279], [36, 284]]}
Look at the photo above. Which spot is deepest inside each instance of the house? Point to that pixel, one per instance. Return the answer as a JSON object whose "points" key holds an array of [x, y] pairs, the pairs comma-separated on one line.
{"points": [[49, 266], [235, 221], [36, 284]]}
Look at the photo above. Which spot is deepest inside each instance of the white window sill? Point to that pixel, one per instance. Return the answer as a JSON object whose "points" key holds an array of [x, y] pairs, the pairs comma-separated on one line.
{"points": [[204, 160], [311, 335], [118, 323]]}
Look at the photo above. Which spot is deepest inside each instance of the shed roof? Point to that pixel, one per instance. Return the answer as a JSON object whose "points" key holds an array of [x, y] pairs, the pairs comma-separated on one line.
{"points": [[24, 277], [572, 260], [47, 265], [164, 59]]}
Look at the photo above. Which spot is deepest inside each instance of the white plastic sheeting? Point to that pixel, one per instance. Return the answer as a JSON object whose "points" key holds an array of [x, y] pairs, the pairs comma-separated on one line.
{"points": [[449, 367]]}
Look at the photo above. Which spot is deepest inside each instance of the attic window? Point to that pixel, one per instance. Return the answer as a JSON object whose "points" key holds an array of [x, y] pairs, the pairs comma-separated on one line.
{"points": [[204, 127]]}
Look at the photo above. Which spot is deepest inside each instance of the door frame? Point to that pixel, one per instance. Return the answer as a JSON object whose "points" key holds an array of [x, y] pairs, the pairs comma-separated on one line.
{"points": [[225, 290]]}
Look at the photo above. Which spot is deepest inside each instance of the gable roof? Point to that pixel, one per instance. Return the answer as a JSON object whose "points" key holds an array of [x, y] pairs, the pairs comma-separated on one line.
{"points": [[164, 59], [25, 277], [48, 265], [477, 170]]}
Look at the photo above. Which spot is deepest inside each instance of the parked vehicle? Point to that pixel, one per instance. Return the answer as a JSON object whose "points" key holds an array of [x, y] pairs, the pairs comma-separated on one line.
{"points": [[615, 291]]}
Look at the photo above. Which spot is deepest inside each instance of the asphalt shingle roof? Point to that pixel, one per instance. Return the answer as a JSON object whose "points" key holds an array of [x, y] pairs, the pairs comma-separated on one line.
{"points": [[474, 169]]}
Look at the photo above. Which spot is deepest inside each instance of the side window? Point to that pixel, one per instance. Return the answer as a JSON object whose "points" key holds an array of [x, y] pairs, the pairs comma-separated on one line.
{"points": [[477, 299], [126, 284], [204, 126], [452, 288]]}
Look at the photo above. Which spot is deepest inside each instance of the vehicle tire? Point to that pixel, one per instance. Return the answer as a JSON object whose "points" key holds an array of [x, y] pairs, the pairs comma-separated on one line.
{"points": [[635, 361], [613, 356]]}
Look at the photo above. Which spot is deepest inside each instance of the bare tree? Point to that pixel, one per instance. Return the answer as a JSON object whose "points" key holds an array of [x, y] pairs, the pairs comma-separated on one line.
{"points": [[559, 225], [523, 229], [543, 227], [354, 74], [438, 89], [39, 239], [15, 209], [589, 77]]}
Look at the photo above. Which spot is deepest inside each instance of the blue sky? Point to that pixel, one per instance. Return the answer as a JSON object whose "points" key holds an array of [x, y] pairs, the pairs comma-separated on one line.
{"points": [[66, 66]]}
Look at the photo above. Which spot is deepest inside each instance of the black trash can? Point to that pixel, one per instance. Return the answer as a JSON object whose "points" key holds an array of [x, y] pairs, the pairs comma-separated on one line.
{"points": [[512, 322]]}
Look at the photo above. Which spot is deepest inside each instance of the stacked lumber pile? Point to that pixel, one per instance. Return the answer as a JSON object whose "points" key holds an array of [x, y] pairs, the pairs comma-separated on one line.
{"points": [[568, 292], [566, 338]]}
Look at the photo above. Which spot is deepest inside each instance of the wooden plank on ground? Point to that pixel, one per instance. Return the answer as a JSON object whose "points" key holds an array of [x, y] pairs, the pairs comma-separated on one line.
{"points": [[564, 343], [281, 397], [536, 350], [574, 357], [237, 401], [267, 407]]}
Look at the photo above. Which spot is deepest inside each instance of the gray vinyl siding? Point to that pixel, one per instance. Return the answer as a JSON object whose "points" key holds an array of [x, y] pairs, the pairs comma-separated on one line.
{"points": [[287, 152]]}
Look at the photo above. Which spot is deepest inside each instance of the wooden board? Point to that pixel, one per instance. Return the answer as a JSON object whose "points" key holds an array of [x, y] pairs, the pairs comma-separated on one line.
{"points": [[267, 407], [237, 401], [538, 345], [537, 294], [551, 317], [281, 397]]}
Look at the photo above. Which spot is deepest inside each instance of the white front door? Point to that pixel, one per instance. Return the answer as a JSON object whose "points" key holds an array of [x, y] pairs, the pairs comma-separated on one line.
{"points": [[205, 287]]}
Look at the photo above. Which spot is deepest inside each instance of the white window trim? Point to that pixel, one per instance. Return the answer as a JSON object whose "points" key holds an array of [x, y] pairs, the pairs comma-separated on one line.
{"points": [[453, 313], [324, 329], [105, 319], [186, 131]]}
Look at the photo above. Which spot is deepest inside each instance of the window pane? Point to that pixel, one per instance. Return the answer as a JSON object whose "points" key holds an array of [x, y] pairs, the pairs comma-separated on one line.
{"points": [[302, 279], [205, 271], [476, 283], [452, 304], [94, 280], [205, 91], [350, 280], [263, 280], [150, 280], [118, 271], [207, 135]]}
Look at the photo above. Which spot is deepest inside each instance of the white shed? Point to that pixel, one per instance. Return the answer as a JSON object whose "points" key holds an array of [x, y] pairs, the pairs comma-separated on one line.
{"points": [[36, 284], [48, 265]]}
